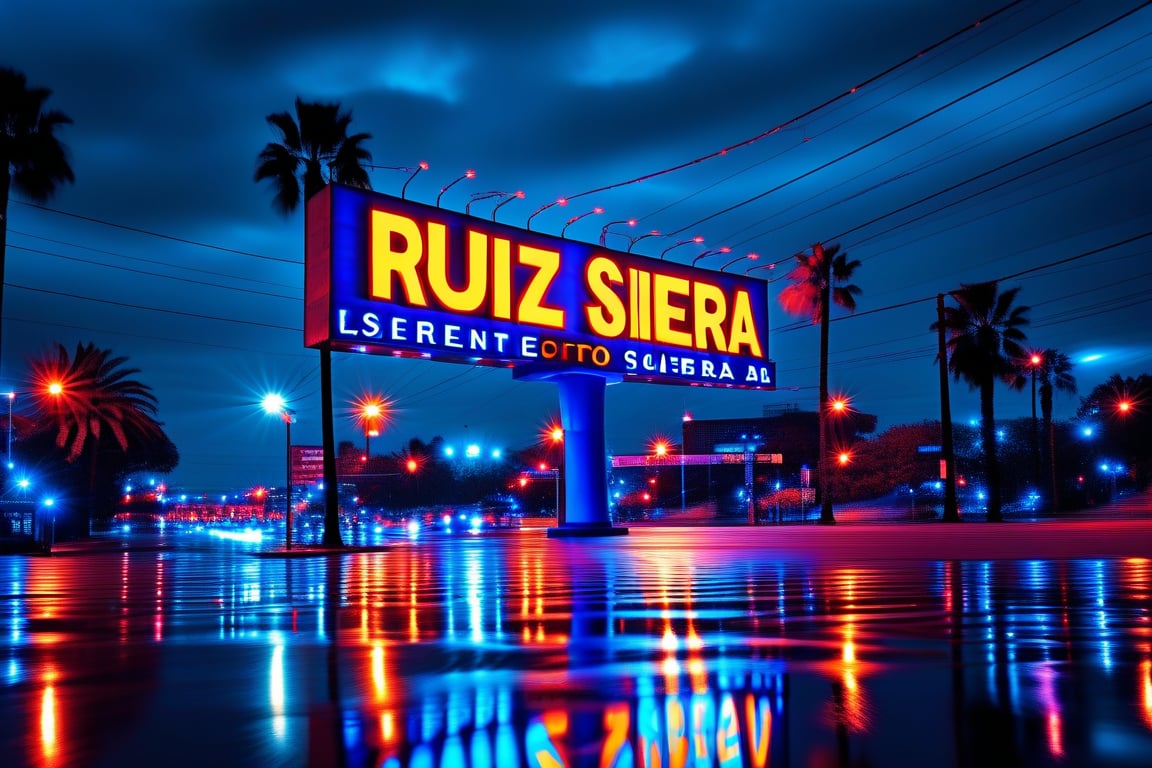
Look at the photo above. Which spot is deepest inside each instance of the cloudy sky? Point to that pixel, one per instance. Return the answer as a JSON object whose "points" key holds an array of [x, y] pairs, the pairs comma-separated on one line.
{"points": [[1015, 149]]}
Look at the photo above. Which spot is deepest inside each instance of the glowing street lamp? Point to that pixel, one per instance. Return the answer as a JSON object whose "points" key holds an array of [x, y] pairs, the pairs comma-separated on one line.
{"points": [[469, 174], [1034, 362], [517, 195], [477, 196], [561, 201], [274, 404], [421, 166], [574, 219], [604, 229], [633, 240], [697, 239], [711, 252], [738, 259], [555, 433], [372, 413]]}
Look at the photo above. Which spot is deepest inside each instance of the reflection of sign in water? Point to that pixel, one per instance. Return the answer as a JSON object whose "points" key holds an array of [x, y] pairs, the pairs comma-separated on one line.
{"points": [[699, 725], [307, 464]]}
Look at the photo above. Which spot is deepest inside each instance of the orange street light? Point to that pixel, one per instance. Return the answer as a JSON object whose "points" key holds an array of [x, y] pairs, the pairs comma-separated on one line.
{"points": [[844, 457]]}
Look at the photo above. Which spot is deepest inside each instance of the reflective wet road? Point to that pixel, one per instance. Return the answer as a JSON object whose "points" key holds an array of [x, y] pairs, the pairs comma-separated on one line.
{"points": [[674, 648]]}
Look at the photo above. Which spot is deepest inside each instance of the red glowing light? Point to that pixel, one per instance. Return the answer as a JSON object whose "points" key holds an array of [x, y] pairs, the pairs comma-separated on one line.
{"points": [[754, 256], [1124, 406], [698, 239], [1035, 359], [543, 466], [520, 194], [597, 209], [469, 174], [523, 482], [631, 222], [844, 458], [423, 165], [412, 465], [647, 497]]}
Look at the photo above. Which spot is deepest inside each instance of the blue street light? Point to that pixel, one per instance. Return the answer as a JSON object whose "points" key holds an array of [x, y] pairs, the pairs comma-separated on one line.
{"points": [[275, 404]]}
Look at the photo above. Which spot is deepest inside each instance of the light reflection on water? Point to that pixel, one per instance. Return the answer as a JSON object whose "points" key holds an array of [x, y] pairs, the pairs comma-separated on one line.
{"points": [[669, 648]]}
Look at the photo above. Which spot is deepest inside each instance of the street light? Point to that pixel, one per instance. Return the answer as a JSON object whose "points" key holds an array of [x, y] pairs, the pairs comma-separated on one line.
{"points": [[604, 229], [738, 259], [373, 412], [633, 240], [421, 166], [1034, 362], [469, 174], [517, 195], [555, 433], [575, 219], [477, 196], [697, 239], [274, 404], [561, 201], [711, 252]]}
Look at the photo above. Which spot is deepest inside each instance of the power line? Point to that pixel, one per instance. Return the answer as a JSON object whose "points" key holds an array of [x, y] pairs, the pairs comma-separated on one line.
{"points": [[162, 236], [158, 309], [909, 124], [777, 129]]}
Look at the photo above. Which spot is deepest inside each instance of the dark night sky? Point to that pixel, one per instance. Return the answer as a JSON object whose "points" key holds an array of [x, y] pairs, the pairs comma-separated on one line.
{"points": [[1012, 147]]}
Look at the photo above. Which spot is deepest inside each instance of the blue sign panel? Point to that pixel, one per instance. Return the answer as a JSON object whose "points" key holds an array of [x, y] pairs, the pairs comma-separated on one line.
{"points": [[391, 276]]}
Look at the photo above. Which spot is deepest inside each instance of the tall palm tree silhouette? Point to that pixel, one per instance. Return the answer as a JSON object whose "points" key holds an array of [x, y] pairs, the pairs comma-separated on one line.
{"points": [[33, 162], [818, 279], [1055, 374], [315, 149], [985, 339]]}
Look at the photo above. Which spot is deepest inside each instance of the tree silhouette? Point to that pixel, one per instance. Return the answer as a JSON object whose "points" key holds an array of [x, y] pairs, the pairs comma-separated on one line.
{"points": [[1055, 375], [32, 159], [314, 149], [985, 339], [819, 279], [83, 400]]}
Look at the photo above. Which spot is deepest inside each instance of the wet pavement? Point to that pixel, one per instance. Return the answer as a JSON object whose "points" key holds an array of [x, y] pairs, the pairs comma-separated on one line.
{"points": [[1021, 644]]}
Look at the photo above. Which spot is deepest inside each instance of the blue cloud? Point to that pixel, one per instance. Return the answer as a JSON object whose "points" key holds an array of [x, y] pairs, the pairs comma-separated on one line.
{"points": [[627, 52]]}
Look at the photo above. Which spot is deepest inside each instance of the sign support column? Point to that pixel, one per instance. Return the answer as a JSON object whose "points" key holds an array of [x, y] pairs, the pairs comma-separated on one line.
{"points": [[585, 465]]}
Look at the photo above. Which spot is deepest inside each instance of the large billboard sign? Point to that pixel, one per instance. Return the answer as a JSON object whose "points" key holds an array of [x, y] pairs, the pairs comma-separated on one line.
{"points": [[391, 276]]}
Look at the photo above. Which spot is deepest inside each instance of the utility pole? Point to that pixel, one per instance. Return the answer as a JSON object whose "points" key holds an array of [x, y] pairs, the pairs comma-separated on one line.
{"points": [[951, 512]]}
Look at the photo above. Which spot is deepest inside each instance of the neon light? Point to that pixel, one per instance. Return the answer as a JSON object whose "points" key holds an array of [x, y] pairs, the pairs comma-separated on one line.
{"points": [[391, 276]]}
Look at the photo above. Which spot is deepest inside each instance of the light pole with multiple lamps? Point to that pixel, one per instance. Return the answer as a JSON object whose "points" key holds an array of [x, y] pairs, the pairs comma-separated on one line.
{"points": [[274, 404]]}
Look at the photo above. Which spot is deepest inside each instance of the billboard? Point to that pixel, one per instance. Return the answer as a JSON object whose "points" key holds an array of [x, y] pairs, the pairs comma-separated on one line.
{"points": [[307, 464], [392, 276]]}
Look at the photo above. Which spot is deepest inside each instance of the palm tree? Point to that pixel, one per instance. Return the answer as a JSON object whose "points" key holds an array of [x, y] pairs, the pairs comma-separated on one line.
{"points": [[985, 340], [818, 279], [84, 398], [1055, 374], [32, 159], [315, 149]]}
